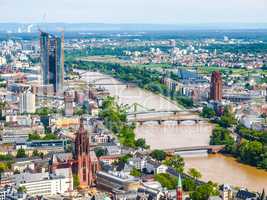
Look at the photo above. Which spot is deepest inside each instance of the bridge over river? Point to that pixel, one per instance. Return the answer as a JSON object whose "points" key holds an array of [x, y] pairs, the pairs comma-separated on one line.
{"points": [[171, 136], [162, 116]]}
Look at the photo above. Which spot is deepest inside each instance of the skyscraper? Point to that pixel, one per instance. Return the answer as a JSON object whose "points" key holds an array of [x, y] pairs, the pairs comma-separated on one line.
{"points": [[52, 60], [27, 102], [216, 86]]}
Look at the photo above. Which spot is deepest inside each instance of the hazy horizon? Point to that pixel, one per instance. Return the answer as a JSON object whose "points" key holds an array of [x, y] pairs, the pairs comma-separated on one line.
{"points": [[165, 12]]}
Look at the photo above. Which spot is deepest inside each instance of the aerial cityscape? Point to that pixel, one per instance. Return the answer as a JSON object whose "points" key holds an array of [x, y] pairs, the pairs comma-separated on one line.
{"points": [[133, 100]]}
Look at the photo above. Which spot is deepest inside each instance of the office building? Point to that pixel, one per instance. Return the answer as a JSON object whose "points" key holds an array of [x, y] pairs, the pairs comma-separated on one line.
{"points": [[45, 184], [112, 181], [52, 61], [216, 86], [68, 100], [27, 102]]}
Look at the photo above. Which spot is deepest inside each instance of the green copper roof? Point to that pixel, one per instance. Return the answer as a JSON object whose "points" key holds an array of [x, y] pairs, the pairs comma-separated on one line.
{"points": [[179, 183]]}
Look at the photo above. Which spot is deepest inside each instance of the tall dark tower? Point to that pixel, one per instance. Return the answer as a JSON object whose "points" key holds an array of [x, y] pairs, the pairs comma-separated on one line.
{"points": [[52, 60], [216, 86], [82, 155]]}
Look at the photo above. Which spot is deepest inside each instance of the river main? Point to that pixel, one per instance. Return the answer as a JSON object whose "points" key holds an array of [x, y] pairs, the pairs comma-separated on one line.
{"points": [[217, 168]]}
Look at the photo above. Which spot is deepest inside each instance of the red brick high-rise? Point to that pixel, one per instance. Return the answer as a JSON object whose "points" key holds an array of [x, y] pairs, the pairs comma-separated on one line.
{"points": [[216, 86], [87, 165]]}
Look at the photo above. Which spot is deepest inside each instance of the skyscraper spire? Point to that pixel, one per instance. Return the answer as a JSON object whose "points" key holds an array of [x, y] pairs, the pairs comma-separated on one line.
{"points": [[179, 189]]}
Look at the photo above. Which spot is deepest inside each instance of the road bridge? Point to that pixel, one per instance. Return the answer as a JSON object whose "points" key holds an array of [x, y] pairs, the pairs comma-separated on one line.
{"points": [[175, 112], [209, 148], [173, 116]]}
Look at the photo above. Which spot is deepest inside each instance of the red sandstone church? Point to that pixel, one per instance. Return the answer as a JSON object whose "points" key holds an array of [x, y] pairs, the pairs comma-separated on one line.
{"points": [[86, 162]]}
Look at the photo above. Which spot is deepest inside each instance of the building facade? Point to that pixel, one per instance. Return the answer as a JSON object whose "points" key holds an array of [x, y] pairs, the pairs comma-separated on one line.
{"points": [[216, 86], [52, 60], [68, 100], [27, 102], [87, 164], [45, 184]]}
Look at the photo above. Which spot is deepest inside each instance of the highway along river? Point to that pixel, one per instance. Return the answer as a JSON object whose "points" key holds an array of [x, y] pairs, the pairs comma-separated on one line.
{"points": [[218, 168]]}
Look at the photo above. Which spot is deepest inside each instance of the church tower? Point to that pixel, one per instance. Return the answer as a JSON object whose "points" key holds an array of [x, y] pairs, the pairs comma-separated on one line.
{"points": [[179, 189], [82, 156]]}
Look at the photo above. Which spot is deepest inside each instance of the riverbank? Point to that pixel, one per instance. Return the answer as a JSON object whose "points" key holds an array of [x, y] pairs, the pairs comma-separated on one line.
{"points": [[214, 169], [226, 169]]}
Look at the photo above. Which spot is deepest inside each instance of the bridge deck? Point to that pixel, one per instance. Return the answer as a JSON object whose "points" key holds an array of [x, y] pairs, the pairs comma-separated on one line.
{"points": [[187, 117], [209, 147]]}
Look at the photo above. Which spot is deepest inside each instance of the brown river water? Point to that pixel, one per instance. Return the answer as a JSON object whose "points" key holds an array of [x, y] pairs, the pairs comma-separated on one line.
{"points": [[217, 168]]}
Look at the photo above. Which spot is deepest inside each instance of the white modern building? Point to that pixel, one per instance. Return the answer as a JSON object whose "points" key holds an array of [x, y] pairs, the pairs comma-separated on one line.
{"points": [[27, 102], [45, 184]]}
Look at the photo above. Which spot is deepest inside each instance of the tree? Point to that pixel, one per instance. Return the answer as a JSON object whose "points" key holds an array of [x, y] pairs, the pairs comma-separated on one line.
{"points": [[194, 173], [248, 86], [189, 185], [35, 153], [7, 157], [99, 152], [34, 136], [203, 192], [141, 143], [250, 152], [50, 136], [79, 111], [3, 167], [22, 189], [208, 112], [227, 119], [45, 111], [136, 172], [185, 101], [166, 180], [76, 181], [125, 158], [21, 153], [176, 162], [158, 155], [222, 136]]}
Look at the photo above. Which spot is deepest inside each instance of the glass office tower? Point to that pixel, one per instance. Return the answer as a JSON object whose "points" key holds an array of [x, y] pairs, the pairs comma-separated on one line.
{"points": [[52, 61]]}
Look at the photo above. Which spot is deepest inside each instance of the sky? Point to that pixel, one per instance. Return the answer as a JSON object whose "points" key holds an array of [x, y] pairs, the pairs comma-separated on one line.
{"points": [[135, 11]]}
